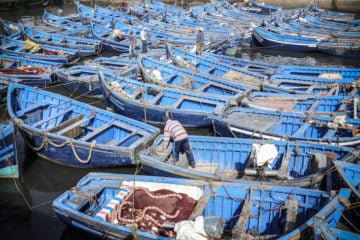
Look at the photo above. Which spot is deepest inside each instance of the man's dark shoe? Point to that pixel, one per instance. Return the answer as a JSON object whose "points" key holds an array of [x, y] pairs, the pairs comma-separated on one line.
{"points": [[193, 165]]}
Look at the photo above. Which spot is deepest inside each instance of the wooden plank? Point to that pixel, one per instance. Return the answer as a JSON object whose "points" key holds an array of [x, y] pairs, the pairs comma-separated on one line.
{"points": [[31, 108], [66, 123], [329, 134], [291, 215], [239, 228], [45, 120], [301, 130], [200, 206], [285, 164], [66, 131], [96, 131]]}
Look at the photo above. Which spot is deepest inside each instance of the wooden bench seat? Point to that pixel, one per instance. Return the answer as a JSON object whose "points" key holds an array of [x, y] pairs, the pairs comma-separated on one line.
{"points": [[54, 116], [71, 130], [31, 108]]}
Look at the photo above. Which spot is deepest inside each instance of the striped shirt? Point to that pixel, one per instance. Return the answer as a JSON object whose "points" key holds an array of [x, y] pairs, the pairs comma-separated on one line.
{"points": [[174, 129]]}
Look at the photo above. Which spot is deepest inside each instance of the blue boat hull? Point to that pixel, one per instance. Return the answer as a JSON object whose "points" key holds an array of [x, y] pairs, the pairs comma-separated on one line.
{"points": [[77, 134], [227, 202]]}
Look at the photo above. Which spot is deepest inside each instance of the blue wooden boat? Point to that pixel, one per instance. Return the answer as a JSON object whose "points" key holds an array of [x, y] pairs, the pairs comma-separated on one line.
{"points": [[330, 215], [84, 80], [150, 103], [248, 122], [114, 63], [347, 175], [212, 67], [73, 133], [324, 229], [310, 104], [184, 79], [238, 160], [351, 50], [86, 12], [236, 206], [253, 66], [284, 43], [350, 74], [11, 29], [61, 22], [85, 46], [38, 24], [8, 155], [44, 52], [286, 83], [265, 8], [31, 72], [109, 43]]}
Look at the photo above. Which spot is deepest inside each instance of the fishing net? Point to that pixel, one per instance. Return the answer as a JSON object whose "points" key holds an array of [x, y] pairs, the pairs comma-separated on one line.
{"points": [[150, 209]]}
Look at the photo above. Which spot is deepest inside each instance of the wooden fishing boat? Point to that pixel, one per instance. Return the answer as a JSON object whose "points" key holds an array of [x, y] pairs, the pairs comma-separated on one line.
{"points": [[84, 80], [8, 155], [187, 80], [31, 72], [73, 133], [85, 46], [41, 52], [350, 74], [11, 29], [284, 43], [309, 104], [265, 8], [114, 63], [248, 122], [238, 160], [110, 44], [150, 103], [253, 66], [330, 216], [231, 210], [328, 230], [286, 83], [351, 50], [61, 22], [347, 175], [214, 68]]}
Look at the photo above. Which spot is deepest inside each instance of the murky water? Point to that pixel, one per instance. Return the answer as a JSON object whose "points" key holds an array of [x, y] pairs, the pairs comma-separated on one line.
{"points": [[29, 215]]}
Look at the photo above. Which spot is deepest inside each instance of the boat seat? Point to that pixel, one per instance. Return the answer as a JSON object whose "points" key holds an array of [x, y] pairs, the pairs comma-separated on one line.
{"points": [[243, 219], [118, 143], [156, 98], [329, 134], [74, 129], [45, 120], [314, 106], [200, 206], [31, 108], [301, 130], [291, 214], [283, 171], [66, 123], [96, 131], [318, 162]]}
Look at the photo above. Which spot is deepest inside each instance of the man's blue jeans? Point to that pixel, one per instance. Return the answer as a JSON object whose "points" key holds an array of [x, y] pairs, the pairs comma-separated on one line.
{"points": [[183, 147]]}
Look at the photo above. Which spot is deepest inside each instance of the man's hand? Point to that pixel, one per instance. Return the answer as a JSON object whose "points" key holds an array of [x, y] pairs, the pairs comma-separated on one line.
{"points": [[164, 150]]}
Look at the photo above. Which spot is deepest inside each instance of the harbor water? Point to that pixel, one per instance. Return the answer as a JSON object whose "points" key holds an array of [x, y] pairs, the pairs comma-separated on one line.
{"points": [[26, 204]]}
